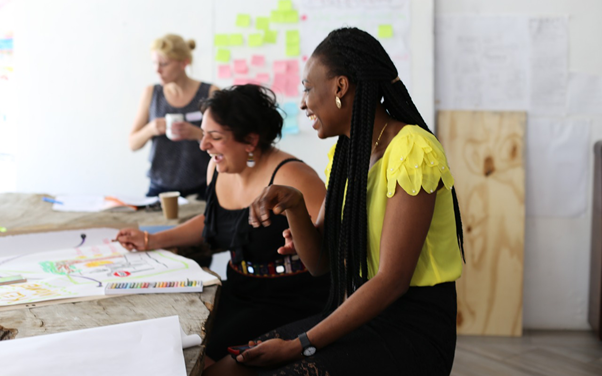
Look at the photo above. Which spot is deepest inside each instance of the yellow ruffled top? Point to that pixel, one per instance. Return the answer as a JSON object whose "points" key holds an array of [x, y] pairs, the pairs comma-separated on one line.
{"points": [[414, 160]]}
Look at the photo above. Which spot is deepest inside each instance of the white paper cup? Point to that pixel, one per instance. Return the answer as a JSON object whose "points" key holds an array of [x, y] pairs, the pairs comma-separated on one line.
{"points": [[169, 203], [169, 120]]}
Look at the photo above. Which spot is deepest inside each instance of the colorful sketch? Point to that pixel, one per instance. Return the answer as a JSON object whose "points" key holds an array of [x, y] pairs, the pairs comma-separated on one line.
{"points": [[84, 271]]}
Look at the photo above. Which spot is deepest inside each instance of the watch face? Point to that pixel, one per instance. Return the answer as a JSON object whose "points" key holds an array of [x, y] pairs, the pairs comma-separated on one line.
{"points": [[309, 351]]}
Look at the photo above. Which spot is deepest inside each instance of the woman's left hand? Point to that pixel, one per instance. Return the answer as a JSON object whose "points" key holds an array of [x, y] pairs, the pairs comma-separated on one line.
{"points": [[270, 353], [183, 130]]}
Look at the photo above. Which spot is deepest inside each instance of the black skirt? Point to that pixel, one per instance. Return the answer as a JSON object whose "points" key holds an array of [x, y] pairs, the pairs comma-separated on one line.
{"points": [[416, 335]]}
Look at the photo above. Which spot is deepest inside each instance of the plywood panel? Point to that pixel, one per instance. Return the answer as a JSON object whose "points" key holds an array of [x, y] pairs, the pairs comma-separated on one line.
{"points": [[485, 152]]}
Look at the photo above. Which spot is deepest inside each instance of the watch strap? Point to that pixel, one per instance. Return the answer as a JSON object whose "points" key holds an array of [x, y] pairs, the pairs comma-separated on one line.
{"points": [[304, 340]]}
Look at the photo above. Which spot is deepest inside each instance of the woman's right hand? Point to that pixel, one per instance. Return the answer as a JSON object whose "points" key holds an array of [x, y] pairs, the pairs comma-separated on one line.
{"points": [[158, 126], [278, 199], [131, 239]]}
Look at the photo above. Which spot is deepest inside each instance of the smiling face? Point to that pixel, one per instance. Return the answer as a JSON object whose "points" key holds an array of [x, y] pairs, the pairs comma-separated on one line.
{"points": [[319, 103], [169, 70], [229, 155]]}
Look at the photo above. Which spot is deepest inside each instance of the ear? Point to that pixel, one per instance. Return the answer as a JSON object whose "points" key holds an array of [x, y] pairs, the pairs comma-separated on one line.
{"points": [[342, 86], [252, 139]]}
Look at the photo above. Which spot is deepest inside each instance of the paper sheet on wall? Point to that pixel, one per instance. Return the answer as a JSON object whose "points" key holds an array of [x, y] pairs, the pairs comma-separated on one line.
{"points": [[482, 62], [122, 349], [585, 94], [557, 156], [323, 16], [549, 65]]}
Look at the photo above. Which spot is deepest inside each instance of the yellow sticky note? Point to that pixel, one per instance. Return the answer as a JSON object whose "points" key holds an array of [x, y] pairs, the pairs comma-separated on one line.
{"points": [[262, 23], [385, 31], [285, 5], [223, 55], [292, 37], [255, 40], [236, 40], [221, 40], [243, 20], [292, 50], [270, 36], [290, 16], [277, 16]]}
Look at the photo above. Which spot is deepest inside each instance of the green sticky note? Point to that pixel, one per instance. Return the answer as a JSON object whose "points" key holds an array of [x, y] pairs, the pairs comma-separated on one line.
{"points": [[243, 20], [292, 37], [385, 31], [277, 16], [223, 55], [262, 23], [221, 40], [285, 5], [292, 50], [291, 16], [236, 40], [255, 40], [270, 36], [2, 229]]}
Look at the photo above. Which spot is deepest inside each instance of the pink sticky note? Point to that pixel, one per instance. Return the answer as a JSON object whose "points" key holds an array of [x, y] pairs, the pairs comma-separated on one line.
{"points": [[263, 77], [292, 66], [291, 89], [280, 66], [240, 66], [241, 81], [258, 60], [279, 85], [224, 71]]}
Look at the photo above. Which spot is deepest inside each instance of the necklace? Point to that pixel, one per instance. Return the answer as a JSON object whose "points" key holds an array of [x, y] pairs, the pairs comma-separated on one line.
{"points": [[379, 136]]}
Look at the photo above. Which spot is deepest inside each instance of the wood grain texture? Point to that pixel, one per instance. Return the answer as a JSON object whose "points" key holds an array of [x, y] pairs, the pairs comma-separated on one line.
{"points": [[485, 154]]}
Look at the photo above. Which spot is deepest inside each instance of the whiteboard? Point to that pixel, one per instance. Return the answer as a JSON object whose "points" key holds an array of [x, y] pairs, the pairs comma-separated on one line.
{"points": [[81, 67]]}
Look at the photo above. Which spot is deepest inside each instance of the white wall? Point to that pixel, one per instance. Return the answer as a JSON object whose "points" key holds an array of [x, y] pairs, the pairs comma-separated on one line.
{"points": [[556, 249], [81, 67]]}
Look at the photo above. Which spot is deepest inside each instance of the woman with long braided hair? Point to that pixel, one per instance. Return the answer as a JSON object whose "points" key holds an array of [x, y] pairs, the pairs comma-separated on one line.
{"points": [[389, 231]]}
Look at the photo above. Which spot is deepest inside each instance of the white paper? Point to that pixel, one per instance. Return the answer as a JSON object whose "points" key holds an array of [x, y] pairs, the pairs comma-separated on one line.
{"points": [[49, 241], [585, 94], [549, 65], [149, 347], [97, 203], [84, 271], [190, 340], [482, 62], [323, 16], [557, 157]]}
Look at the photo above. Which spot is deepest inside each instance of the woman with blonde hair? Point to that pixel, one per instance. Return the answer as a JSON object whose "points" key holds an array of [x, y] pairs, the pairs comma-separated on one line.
{"points": [[177, 163]]}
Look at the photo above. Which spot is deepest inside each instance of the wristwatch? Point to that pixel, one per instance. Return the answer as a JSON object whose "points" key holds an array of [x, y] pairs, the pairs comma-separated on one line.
{"points": [[308, 348]]}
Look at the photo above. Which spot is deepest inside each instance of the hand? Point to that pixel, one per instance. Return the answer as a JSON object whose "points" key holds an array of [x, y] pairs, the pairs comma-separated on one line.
{"points": [[158, 126], [270, 353], [289, 247], [183, 130], [131, 239], [276, 198]]}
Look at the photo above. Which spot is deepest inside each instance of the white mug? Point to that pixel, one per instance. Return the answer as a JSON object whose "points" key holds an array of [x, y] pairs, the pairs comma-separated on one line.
{"points": [[169, 120]]}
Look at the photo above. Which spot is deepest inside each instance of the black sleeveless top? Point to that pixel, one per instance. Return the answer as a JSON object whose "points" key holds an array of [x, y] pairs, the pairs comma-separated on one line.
{"points": [[179, 165]]}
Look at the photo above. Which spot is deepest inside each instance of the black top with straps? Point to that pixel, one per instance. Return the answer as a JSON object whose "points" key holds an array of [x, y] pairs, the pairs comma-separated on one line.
{"points": [[250, 305]]}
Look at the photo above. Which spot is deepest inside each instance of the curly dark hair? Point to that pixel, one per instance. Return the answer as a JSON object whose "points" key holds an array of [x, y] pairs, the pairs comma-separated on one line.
{"points": [[361, 58], [246, 109]]}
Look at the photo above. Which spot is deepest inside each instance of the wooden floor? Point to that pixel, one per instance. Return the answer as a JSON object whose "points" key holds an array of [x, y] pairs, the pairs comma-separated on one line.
{"points": [[549, 353]]}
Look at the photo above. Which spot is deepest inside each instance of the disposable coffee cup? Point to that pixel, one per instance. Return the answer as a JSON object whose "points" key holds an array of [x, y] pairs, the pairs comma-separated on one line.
{"points": [[169, 120], [169, 203]]}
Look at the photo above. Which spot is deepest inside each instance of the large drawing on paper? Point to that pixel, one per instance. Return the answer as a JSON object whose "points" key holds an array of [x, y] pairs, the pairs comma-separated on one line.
{"points": [[84, 271]]}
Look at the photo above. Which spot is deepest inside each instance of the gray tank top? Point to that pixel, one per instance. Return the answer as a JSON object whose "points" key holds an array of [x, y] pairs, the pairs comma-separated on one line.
{"points": [[177, 164]]}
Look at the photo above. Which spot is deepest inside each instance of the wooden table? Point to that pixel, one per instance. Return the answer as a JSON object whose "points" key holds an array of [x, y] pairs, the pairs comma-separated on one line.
{"points": [[27, 212]]}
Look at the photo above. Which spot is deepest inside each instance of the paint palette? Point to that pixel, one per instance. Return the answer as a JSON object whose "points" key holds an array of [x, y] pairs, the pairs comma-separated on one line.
{"points": [[123, 288]]}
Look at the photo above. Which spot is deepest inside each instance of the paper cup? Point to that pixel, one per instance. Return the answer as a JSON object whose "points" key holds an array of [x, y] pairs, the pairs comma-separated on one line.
{"points": [[169, 203], [169, 120]]}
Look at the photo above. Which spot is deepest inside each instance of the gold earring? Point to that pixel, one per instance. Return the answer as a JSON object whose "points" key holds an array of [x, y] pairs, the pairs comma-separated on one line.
{"points": [[338, 102]]}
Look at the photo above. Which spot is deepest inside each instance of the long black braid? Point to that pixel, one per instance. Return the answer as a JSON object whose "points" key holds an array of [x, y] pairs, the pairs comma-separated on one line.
{"points": [[357, 55]]}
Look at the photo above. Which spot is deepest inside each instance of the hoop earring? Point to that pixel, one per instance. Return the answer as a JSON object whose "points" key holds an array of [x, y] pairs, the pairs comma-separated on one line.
{"points": [[250, 160], [337, 100]]}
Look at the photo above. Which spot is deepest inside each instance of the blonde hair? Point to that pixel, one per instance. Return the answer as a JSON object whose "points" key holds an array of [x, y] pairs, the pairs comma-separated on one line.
{"points": [[174, 47]]}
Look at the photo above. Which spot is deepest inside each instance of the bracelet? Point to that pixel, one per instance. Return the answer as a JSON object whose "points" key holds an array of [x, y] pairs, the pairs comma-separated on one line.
{"points": [[145, 241]]}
